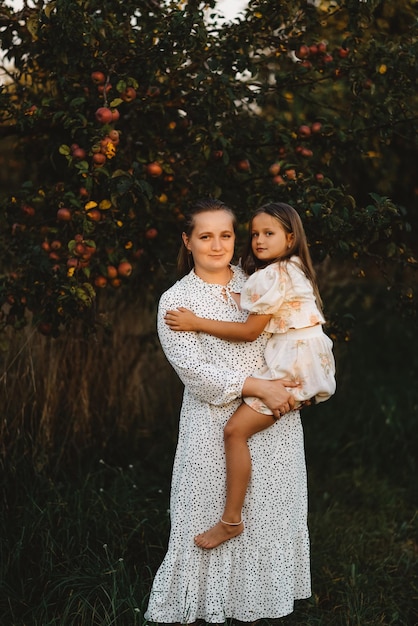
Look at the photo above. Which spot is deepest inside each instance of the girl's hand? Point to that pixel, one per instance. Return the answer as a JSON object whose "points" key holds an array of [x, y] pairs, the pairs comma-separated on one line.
{"points": [[181, 319]]}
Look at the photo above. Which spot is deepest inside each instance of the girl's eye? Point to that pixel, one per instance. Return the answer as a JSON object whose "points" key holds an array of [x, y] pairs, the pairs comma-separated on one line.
{"points": [[269, 233], [254, 235]]}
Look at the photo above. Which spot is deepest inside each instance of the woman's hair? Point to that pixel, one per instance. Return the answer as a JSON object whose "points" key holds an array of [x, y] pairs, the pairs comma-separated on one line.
{"points": [[185, 260], [290, 220]]}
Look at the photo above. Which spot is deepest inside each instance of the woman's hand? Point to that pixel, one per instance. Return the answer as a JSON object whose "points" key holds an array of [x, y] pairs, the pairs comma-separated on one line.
{"points": [[181, 319], [273, 393]]}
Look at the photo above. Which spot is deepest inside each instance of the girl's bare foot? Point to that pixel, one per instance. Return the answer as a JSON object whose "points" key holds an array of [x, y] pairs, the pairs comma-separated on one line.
{"points": [[222, 531]]}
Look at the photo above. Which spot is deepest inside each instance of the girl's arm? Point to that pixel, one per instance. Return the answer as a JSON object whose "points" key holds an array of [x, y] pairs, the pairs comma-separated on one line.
{"points": [[184, 320], [211, 382]]}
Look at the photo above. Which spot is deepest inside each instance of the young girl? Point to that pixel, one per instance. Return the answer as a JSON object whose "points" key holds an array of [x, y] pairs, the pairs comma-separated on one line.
{"points": [[282, 298]]}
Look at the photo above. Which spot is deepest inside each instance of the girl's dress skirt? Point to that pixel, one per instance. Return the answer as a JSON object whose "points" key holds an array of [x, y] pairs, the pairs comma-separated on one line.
{"points": [[300, 354]]}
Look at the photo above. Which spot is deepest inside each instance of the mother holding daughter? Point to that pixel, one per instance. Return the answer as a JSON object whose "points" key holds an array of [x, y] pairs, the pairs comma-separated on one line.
{"points": [[246, 574]]}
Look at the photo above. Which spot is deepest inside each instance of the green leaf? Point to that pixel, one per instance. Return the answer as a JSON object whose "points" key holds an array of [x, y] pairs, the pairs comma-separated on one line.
{"points": [[115, 103], [64, 149]]}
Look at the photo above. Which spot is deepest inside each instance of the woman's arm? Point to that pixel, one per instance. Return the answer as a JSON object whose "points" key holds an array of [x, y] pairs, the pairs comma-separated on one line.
{"points": [[273, 393], [211, 382], [182, 319]]}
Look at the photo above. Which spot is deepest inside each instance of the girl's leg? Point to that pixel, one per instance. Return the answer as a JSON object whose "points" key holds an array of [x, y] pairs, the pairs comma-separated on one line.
{"points": [[244, 423]]}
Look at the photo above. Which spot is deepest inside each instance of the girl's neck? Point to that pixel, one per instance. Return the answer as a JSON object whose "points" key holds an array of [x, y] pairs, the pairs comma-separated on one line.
{"points": [[220, 277]]}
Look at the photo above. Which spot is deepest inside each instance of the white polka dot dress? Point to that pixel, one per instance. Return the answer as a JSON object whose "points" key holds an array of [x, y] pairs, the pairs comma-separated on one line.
{"points": [[259, 573]]}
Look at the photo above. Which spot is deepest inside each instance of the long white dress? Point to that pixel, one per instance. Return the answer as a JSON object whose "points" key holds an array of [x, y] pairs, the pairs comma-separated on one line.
{"points": [[261, 572]]}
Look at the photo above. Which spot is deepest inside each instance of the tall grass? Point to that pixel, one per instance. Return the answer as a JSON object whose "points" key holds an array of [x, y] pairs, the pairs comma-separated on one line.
{"points": [[60, 397], [88, 437]]}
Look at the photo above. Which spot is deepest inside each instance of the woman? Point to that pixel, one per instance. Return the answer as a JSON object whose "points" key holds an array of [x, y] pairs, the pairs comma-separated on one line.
{"points": [[259, 573]]}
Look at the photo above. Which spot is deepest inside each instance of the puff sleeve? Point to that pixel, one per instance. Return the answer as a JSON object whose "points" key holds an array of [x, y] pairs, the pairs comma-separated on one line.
{"points": [[265, 290]]}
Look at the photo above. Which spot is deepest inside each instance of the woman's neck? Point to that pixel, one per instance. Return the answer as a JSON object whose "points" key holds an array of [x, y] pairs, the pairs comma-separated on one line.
{"points": [[219, 277]]}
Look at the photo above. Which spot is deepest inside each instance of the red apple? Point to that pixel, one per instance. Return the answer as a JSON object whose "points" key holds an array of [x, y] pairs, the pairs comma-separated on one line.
{"points": [[124, 269], [154, 169], [316, 127], [114, 136], [94, 215], [104, 115], [79, 153], [278, 180], [151, 233], [129, 94], [104, 143], [303, 52], [274, 169], [304, 130], [343, 52], [28, 210], [79, 249], [98, 78], [64, 214], [243, 165], [115, 115], [111, 271], [99, 158], [100, 281], [291, 174]]}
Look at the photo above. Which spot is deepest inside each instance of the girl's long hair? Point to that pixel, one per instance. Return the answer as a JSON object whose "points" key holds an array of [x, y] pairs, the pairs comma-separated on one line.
{"points": [[290, 220], [185, 261]]}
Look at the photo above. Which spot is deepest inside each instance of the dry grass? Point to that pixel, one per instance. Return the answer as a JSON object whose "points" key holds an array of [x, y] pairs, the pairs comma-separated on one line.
{"points": [[73, 393]]}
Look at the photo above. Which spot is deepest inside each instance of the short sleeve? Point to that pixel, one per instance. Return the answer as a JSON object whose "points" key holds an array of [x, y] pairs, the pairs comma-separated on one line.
{"points": [[265, 290]]}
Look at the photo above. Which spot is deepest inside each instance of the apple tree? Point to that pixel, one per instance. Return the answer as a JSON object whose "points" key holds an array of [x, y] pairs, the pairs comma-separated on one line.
{"points": [[120, 114]]}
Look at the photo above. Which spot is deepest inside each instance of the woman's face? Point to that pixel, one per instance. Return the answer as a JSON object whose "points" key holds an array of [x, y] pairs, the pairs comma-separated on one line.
{"points": [[211, 242]]}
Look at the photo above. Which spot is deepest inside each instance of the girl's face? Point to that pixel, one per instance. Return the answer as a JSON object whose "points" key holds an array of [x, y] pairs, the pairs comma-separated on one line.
{"points": [[269, 240], [211, 242]]}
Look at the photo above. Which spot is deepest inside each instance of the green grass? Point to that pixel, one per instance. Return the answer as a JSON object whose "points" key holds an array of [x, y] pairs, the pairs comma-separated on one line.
{"points": [[81, 537], [80, 549]]}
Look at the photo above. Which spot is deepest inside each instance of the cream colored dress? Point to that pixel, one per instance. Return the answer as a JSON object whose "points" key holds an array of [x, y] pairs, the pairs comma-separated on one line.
{"points": [[261, 572], [298, 348]]}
